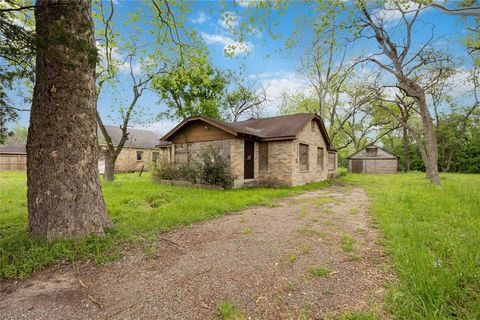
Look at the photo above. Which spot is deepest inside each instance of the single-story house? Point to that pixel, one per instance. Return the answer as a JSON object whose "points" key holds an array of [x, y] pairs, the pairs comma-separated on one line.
{"points": [[283, 150], [13, 157], [139, 150], [372, 159]]}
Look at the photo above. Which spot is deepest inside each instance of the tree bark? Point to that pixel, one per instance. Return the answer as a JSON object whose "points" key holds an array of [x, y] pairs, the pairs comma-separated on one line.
{"points": [[416, 92], [109, 174], [64, 194]]}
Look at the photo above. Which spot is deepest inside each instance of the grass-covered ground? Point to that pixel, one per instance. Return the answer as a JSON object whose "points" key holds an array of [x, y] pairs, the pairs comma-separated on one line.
{"points": [[140, 209], [432, 233], [433, 236]]}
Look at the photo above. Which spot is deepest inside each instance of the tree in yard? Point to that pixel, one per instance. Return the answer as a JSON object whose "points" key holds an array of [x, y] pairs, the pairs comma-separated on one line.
{"points": [[452, 126], [245, 100], [143, 62], [365, 123], [139, 85], [64, 194], [191, 87], [404, 64]]}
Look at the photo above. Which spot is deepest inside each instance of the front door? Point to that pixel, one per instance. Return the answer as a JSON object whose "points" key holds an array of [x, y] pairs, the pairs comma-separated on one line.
{"points": [[357, 166], [248, 161]]}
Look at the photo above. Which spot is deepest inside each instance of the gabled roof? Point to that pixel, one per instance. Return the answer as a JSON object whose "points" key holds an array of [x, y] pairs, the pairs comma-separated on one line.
{"points": [[384, 155], [136, 138], [267, 129], [14, 148]]}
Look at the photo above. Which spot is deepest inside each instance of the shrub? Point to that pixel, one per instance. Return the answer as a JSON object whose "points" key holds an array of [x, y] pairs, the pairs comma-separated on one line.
{"points": [[164, 171], [213, 167], [189, 171]]}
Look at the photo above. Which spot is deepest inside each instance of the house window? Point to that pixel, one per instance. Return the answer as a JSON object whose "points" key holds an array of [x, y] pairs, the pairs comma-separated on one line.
{"points": [[320, 156], [263, 156], [154, 156], [303, 156], [314, 126], [372, 152], [139, 155]]}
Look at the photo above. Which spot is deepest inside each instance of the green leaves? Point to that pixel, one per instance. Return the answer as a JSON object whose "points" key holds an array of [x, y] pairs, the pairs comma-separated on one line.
{"points": [[191, 88]]}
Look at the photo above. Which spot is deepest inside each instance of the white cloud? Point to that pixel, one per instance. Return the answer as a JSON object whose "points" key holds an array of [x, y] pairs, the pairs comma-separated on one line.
{"points": [[201, 18], [277, 83], [246, 3], [230, 46], [390, 13], [229, 20], [460, 85]]}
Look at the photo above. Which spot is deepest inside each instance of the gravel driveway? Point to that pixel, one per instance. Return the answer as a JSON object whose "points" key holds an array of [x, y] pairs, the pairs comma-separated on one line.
{"points": [[313, 255]]}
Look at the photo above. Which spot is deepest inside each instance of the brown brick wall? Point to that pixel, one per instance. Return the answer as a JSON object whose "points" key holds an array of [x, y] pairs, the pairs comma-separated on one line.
{"points": [[313, 139], [280, 163], [127, 160], [184, 151], [283, 162]]}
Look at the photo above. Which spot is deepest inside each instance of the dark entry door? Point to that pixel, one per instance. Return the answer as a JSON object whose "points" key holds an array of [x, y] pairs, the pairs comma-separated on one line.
{"points": [[357, 166], [248, 161]]}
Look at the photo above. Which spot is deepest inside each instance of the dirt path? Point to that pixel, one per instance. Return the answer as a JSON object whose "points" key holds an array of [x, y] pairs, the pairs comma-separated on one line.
{"points": [[314, 255]]}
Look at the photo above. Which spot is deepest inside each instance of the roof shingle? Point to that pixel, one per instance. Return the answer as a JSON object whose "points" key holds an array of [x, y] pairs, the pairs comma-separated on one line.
{"points": [[274, 128], [14, 148], [136, 138]]}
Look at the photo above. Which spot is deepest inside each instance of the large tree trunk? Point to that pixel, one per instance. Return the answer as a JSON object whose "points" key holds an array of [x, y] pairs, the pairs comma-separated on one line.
{"points": [[406, 151], [430, 142], [109, 174], [64, 194]]}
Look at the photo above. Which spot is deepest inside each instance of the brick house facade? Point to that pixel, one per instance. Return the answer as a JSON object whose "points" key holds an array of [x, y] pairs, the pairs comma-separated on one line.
{"points": [[285, 150], [139, 150]]}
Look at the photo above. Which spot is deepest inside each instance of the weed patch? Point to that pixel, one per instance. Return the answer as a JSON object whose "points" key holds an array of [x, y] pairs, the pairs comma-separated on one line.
{"points": [[228, 311], [347, 243], [247, 230], [318, 271]]}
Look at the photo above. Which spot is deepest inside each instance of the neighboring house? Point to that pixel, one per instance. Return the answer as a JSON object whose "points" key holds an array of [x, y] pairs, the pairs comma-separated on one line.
{"points": [[13, 157], [139, 150], [372, 159], [284, 150]]}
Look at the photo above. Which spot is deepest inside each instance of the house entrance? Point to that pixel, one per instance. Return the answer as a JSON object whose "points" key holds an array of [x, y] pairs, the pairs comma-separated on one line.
{"points": [[248, 161]]}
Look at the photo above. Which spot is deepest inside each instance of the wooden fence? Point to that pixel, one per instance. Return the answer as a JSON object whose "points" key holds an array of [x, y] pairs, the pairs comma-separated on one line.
{"points": [[13, 162]]}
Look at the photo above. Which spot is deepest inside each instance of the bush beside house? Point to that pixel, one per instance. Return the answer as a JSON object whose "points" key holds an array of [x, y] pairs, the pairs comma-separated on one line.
{"points": [[209, 167]]}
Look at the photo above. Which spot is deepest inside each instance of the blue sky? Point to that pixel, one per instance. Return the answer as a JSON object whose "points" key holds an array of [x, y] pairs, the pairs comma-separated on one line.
{"points": [[260, 55]]}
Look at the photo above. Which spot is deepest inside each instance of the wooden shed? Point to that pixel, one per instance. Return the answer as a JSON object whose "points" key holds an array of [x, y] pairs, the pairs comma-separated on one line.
{"points": [[13, 157], [372, 159]]}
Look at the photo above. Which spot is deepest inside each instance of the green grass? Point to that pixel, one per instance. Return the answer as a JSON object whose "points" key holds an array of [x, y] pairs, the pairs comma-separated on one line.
{"points": [[318, 271], [228, 311], [433, 235], [347, 242], [139, 208], [351, 315], [292, 258], [247, 230]]}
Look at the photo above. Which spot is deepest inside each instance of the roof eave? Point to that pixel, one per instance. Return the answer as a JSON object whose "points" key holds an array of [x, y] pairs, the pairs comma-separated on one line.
{"points": [[195, 118]]}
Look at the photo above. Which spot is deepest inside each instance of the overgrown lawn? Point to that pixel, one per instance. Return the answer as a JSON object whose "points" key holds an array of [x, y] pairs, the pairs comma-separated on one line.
{"points": [[140, 209], [433, 235]]}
